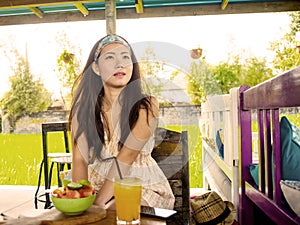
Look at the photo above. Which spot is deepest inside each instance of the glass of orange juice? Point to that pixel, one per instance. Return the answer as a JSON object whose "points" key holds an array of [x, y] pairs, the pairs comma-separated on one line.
{"points": [[128, 193]]}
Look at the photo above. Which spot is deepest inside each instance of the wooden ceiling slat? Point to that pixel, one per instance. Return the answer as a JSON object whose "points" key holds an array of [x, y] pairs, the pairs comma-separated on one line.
{"points": [[224, 4], [82, 9], [139, 6], [37, 12]]}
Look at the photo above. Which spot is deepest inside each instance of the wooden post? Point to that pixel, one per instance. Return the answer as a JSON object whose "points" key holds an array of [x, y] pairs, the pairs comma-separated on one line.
{"points": [[110, 16]]}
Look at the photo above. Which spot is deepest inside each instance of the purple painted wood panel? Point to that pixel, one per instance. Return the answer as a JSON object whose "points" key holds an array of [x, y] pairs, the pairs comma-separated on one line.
{"points": [[277, 156], [261, 155], [245, 152], [268, 153], [280, 91], [278, 215]]}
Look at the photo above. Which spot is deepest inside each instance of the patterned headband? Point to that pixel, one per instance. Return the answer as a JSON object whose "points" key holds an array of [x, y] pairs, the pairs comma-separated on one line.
{"points": [[111, 38]]}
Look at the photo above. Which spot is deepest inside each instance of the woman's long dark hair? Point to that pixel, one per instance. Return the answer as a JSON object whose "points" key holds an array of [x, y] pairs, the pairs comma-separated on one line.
{"points": [[87, 105]]}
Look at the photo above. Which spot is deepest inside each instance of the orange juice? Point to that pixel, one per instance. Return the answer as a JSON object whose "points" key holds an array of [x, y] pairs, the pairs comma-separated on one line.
{"points": [[128, 192]]}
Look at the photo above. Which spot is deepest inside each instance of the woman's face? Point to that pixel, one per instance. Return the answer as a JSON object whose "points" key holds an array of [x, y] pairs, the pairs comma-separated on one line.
{"points": [[114, 65]]}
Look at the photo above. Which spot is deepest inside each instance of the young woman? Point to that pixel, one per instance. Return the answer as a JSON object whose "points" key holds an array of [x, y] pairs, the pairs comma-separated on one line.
{"points": [[113, 124]]}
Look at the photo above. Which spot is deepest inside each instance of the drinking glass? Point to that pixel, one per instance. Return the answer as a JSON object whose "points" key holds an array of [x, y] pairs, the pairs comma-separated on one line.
{"points": [[128, 193]]}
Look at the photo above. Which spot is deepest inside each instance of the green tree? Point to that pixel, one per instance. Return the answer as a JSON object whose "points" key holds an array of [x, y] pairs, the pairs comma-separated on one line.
{"points": [[287, 56], [255, 72], [226, 76], [68, 66], [205, 79], [26, 95], [150, 69], [200, 81]]}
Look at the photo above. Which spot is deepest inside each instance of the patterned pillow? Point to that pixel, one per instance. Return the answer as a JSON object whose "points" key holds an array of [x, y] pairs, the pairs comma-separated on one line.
{"points": [[291, 192], [296, 134]]}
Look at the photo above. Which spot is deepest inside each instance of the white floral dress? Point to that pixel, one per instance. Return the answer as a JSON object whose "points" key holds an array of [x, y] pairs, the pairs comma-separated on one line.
{"points": [[156, 191]]}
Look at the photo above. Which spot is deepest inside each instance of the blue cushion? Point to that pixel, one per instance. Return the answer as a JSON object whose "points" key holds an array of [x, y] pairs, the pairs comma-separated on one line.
{"points": [[290, 152], [219, 143], [254, 173]]}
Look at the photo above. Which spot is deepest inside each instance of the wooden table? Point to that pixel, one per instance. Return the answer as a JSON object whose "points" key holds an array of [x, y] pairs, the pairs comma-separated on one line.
{"points": [[111, 219], [93, 216]]}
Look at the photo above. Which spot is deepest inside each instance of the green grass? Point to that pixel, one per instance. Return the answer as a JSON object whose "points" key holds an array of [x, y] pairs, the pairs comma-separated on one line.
{"points": [[21, 156], [195, 153], [293, 118]]}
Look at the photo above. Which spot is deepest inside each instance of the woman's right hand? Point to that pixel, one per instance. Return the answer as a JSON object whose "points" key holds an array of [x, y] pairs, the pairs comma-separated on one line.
{"points": [[99, 203]]}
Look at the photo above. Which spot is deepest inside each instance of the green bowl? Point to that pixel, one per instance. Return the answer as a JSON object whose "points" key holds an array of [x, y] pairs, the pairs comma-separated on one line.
{"points": [[73, 206]]}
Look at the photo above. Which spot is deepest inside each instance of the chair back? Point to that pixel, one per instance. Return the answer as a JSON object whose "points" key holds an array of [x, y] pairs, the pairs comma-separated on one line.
{"points": [[47, 128], [55, 127], [171, 154]]}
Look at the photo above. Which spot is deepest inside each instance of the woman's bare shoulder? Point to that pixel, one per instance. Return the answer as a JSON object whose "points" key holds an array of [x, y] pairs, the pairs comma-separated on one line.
{"points": [[154, 104], [154, 101], [153, 107]]}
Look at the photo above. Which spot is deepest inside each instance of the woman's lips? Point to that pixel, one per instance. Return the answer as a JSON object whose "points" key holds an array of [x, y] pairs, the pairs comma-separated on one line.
{"points": [[119, 74]]}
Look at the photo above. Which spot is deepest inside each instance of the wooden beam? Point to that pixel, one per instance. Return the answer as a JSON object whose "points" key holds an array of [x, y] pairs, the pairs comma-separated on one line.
{"points": [[8, 4], [36, 11], [257, 7], [198, 10], [110, 16], [82, 9]]}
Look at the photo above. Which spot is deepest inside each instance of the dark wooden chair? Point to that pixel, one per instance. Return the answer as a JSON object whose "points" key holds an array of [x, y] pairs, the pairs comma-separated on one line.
{"points": [[171, 154], [60, 159]]}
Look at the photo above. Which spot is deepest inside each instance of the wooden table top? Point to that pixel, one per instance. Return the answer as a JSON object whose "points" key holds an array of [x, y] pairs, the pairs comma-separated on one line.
{"points": [[93, 216], [111, 219]]}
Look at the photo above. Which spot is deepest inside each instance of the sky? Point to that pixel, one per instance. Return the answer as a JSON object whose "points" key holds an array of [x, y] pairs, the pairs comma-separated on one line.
{"points": [[219, 35]]}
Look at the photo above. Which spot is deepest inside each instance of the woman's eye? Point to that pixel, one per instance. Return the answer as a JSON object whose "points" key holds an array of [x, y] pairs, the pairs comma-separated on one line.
{"points": [[126, 57], [109, 57]]}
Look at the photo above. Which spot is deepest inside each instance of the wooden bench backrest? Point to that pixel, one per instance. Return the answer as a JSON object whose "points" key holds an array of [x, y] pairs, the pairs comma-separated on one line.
{"points": [[265, 99], [171, 154]]}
